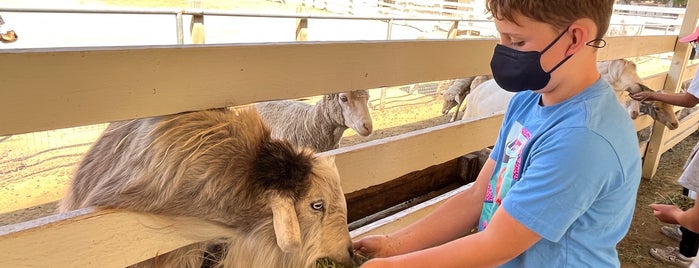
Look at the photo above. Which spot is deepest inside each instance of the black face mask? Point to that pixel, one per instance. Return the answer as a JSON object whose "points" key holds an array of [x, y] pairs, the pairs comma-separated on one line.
{"points": [[517, 71]]}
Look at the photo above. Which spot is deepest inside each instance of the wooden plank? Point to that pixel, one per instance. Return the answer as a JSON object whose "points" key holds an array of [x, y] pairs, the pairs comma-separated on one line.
{"points": [[642, 122], [677, 69], [83, 86], [386, 159], [88, 238], [688, 125], [373, 199], [405, 217], [630, 46]]}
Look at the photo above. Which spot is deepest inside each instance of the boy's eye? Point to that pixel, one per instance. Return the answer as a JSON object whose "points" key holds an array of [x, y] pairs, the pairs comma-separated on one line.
{"points": [[517, 44]]}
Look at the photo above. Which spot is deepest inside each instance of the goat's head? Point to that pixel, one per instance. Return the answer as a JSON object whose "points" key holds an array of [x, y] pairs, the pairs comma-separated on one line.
{"points": [[355, 111], [309, 211], [623, 77], [660, 111]]}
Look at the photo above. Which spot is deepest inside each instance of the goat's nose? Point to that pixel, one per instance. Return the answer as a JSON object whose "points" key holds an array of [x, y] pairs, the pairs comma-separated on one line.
{"points": [[368, 126]]}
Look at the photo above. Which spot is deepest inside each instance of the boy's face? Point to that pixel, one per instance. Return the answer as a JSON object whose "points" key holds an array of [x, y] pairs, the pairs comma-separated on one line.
{"points": [[532, 35]]}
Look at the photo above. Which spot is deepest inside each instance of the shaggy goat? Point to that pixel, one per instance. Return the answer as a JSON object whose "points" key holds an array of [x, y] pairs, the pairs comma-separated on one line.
{"points": [[282, 205], [7, 34], [320, 126], [622, 75]]}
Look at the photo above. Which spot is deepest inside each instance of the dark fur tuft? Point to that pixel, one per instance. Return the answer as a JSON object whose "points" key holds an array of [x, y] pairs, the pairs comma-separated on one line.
{"points": [[280, 167]]}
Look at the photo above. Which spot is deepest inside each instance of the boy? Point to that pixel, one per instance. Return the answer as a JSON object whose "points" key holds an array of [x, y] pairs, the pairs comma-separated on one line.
{"points": [[560, 187]]}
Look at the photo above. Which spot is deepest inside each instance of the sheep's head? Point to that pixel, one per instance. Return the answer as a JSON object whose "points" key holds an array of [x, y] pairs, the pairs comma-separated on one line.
{"points": [[355, 111], [451, 100]]}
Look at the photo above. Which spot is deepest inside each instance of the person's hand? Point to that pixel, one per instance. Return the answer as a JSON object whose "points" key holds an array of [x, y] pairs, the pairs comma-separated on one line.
{"points": [[374, 246], [666, 213], [641, 96]]}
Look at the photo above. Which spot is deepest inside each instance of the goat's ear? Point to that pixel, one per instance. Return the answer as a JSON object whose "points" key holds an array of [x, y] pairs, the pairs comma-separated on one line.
{"points": [[286, 223]]}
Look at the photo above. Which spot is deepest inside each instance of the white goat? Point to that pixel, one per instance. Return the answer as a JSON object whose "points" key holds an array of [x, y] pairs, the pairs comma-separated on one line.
{"points": [[622, 75], [320, 126], [7, 34], [275, 205]]}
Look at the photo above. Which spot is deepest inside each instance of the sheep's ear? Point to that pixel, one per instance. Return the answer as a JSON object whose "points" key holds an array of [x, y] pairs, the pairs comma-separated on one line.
{"points": [[286, 223]]}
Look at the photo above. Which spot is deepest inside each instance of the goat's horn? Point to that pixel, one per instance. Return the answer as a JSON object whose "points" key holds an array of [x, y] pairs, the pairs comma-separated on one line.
{"points": [[286, 223]]}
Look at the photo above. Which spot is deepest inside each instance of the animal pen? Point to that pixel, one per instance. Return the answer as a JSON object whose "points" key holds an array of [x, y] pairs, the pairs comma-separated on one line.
{"points": [[45, 89]]}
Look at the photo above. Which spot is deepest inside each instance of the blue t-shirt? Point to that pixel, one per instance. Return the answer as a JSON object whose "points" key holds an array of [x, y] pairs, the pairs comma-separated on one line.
{"points": [[568, 172]]}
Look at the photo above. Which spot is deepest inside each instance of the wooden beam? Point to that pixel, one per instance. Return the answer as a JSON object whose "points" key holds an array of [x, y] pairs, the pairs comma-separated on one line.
{"points": [[89, 238], [371, 200], [677, 68], [619, 47], [386, 159], [83, 86], [688, 125]]}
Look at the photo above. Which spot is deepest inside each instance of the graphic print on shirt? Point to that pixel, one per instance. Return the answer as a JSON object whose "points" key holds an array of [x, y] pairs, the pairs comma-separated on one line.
{"points": [[506, 175]]}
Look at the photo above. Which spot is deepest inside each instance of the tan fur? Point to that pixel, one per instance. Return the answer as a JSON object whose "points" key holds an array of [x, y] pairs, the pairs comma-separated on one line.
{"points": [[622, 75], [202, 165]]}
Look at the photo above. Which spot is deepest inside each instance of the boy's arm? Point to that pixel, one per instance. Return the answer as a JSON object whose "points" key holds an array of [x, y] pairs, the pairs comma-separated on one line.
{"points": [[451, 220], [503, 240]]}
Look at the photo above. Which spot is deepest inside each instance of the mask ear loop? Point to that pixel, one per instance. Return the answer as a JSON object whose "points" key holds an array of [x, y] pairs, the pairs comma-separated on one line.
{"points": [[597, 43]]}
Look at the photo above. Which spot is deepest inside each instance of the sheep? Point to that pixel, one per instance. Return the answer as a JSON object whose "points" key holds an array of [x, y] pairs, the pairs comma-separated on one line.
{"points": [[282, 206], [7, 34], [320, 126], [455, 94], [622, 75], [486, 99]]}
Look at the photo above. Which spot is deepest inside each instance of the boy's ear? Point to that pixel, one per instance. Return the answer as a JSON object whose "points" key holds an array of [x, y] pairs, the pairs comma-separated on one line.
{"points": [[579, 31]]}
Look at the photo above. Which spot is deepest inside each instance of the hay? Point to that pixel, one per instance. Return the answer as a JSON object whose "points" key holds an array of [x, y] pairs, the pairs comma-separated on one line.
{"points": [[676, 199], [328, 263]]}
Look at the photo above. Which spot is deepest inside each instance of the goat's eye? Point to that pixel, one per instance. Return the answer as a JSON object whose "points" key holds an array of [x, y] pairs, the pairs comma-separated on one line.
{"points": [[317, 205], [343, 98]]}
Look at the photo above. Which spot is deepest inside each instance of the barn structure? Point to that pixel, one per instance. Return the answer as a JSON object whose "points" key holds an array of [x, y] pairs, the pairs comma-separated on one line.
{"points": [[45, 89]]}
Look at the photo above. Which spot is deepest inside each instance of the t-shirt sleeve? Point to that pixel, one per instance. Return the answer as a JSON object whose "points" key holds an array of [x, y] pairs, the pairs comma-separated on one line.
{"points": [[563, 178], [694, 86]]}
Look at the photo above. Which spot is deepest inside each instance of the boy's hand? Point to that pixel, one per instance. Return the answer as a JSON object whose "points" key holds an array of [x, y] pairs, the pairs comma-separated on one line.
{"points": [[642, 96], [375, 246], [666, 213]]}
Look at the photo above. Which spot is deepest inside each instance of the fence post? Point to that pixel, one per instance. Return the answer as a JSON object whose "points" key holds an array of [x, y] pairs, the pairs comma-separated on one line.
{"points": [[179, 28], [196, 28], [454, 30], [389, 29], [301, 25], [679, 63]]}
